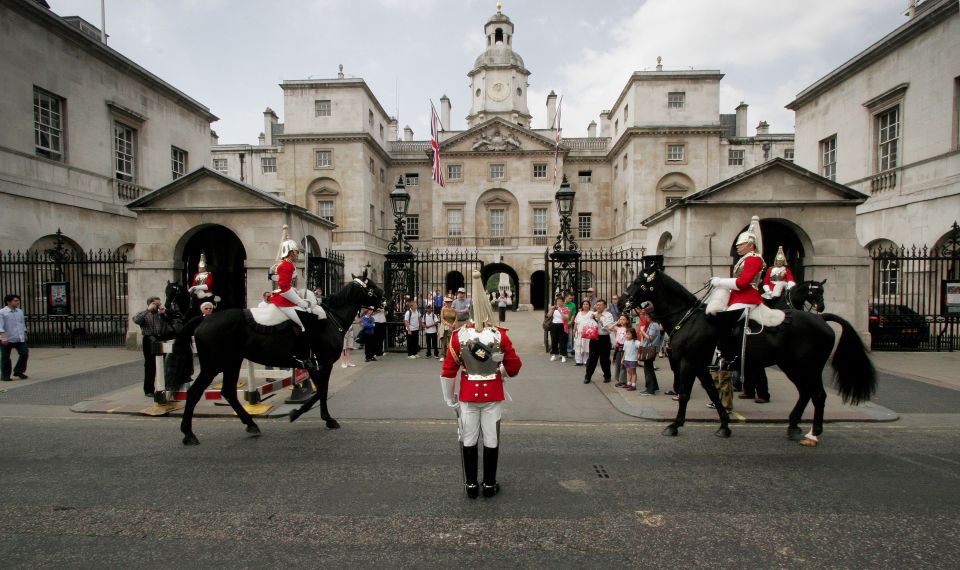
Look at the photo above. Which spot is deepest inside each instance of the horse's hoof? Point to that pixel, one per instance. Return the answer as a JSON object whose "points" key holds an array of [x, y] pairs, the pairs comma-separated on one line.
{"points": [[190, 440], [670, 431], [794, 434], [294, 415], [253, 430], [723, 432], [807, 442], [333, 424]]}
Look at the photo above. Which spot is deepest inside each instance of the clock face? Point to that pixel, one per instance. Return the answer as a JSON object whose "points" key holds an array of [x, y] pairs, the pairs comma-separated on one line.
{"points": [[498, 92]]}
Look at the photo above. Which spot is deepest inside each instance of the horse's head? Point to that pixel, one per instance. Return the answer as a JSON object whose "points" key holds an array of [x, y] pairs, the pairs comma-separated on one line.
{"points": [[642, 289], [370, 295], [814, 295]]}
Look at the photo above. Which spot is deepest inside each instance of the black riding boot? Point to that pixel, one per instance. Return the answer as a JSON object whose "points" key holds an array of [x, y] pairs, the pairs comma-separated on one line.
{"points": [[729, 334], [490, 485], [470, 471]]}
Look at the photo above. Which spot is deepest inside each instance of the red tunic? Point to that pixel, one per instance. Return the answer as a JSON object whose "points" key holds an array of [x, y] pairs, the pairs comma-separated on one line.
{"points": [[746, 292], [480, 391], [204, 278], [787, 277], [285, 271]]}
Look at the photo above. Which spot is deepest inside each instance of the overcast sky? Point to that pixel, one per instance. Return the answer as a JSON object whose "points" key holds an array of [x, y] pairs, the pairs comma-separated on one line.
{"points": [[231, 54]]}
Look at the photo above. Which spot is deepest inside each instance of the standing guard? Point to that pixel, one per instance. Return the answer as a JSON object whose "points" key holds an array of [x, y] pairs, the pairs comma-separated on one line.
{"points": [[485, 353], [778, 278]]}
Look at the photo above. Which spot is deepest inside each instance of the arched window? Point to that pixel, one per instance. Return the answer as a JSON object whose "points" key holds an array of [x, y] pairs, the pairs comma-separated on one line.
{"points": [[889, 274], [498, 36], [586, 280]]}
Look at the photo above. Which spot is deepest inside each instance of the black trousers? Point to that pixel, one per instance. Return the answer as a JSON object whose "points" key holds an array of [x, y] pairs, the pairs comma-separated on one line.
{"points": [[379, 337], [503, 314], [432, 344], [369, 346], [599, 351], [558, 339], [650, 377], [755, 383], [23, 353], [413, 343], [149, 364]]}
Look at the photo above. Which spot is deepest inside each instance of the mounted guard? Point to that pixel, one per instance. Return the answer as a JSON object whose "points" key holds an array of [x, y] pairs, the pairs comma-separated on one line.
{"points": [[285, 296], [201, 290], [778, 278], [486, 354]]}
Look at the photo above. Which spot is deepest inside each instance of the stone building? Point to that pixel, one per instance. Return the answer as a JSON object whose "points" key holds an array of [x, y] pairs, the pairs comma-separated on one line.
{"points": [[338, 154]]}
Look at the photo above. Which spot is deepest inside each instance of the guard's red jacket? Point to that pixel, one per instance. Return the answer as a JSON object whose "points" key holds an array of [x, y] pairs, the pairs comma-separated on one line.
{"points": [[207, 280], [746, 291], [787, 278], [285, 271], [486, 390]]}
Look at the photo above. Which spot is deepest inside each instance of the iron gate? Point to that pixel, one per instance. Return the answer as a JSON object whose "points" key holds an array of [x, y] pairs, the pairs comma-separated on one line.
{"points": [[417, 275], [915, 296], [69, 298], [326, 272]]}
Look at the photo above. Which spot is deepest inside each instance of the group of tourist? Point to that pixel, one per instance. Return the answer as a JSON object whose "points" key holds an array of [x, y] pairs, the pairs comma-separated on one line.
{"points": [[588, 332]]}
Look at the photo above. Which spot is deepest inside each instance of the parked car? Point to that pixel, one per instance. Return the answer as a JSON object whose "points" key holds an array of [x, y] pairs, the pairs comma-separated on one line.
{"points": [[897, 325]]}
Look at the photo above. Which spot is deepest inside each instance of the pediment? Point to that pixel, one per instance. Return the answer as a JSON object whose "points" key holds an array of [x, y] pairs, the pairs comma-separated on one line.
{"points": [[496, 136], [206, 189], [674, 187]]}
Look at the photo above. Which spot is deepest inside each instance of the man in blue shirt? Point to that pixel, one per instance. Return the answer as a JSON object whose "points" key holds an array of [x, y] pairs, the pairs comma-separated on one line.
{"points": [[13, 335]]}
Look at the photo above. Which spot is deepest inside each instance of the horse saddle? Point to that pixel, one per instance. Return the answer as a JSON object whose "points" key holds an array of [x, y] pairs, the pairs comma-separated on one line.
{"points": [[268, 320], [761, 314]]}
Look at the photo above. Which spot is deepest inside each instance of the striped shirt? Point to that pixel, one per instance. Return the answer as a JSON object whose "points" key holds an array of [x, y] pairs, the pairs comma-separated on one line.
{"points": [[152, 324]]}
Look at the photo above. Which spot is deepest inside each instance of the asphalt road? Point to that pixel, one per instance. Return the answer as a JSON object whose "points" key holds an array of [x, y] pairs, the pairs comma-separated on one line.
{"points": [[95, 491]]}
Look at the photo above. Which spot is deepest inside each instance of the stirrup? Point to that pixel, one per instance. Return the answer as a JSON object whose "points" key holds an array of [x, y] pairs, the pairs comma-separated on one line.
{"points": [[307, 363], [473, 490], [490, 489]]}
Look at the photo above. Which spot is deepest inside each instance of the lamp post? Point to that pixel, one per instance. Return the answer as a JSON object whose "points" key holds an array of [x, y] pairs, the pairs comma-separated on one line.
{"points": [[398, 272], [565, 257]]}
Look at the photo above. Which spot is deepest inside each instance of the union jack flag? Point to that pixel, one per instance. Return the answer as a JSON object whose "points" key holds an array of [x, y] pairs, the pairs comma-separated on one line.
{"points": [[435, 144], [556, 150]]}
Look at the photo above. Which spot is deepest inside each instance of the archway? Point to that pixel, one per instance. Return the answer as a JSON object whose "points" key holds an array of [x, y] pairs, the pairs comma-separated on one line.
{"points": [[500, 277], [453, 281], [538, 289], [225, 260], [775, 234]]}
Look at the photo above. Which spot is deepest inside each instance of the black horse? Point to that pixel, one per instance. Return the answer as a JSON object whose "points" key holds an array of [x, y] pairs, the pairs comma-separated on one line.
{"points": [[800, 346], [178, 303], [806, 296], [224, 339]]}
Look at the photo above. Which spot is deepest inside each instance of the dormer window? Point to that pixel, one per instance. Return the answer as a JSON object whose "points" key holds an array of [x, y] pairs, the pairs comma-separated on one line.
{"points": [[498, 36]]}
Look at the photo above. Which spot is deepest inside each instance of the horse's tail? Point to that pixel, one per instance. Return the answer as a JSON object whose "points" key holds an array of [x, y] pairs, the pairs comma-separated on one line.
{"points": [[853, 372], [178, 365]]}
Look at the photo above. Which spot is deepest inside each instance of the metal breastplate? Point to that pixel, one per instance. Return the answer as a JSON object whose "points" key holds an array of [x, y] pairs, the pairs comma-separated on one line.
{"points": [[479, 369], [778, 274], [758, 278]]}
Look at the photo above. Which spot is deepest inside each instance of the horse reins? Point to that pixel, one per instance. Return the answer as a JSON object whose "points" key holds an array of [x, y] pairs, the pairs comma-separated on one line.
{"points": [[693, 308]]}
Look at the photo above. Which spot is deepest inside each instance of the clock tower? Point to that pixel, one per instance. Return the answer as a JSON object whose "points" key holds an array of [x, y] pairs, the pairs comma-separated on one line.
{"points": [[498, 80]]}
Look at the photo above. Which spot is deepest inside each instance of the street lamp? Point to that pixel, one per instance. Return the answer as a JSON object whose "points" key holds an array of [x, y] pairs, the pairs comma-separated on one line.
{"points": [[400, 201], [400, 198], [564, 198]]}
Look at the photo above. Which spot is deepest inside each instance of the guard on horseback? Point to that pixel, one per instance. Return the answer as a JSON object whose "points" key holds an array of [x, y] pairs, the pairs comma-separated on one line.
{"points": [[201, 290], [486, 355], [285, 296], [778, 278], [735, 296]]}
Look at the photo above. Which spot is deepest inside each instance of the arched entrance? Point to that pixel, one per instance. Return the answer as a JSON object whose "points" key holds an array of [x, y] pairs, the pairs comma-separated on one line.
{"points": [[776, 234], [453, 281], [225, 259], [501, 277], [538, 289]]}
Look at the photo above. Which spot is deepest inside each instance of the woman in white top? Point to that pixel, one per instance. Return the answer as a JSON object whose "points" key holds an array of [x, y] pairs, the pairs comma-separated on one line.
{"points": [[581, 346]]}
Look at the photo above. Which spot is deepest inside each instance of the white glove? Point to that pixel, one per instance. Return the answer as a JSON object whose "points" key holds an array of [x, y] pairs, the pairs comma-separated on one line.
{"points": [[790, 284], [724, 283], [453, 403], [304, 304], [498, 357], [766, 288], [191, 290]]}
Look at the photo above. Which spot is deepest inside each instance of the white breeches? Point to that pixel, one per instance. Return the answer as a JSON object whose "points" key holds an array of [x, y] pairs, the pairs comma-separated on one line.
{"points": [[477, 417], [291, 313]]}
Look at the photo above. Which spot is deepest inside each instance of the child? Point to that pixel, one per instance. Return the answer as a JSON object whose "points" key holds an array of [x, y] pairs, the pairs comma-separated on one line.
{"points": [[619, 336], [631, 353]]}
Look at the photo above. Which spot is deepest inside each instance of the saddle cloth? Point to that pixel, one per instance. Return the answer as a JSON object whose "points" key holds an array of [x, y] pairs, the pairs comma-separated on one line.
{"points": [[272, 316], [761, 314]]}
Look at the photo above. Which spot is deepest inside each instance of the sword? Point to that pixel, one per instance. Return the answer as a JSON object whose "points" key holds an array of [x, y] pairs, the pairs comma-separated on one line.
{"points": [[463, 459]]}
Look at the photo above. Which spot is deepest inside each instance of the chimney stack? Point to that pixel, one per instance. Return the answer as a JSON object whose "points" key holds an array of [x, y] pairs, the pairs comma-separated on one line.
{"points": [[445, 113], [763, 128], [407, 133], [604, 123], [260, 140], [551, 110], [742, 119], [592, 129], [214, 138], [269, 119], [392, 126]]}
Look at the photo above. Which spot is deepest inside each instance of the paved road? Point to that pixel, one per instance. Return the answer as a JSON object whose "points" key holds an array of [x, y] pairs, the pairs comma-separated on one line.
{"points": [[92, 491]]}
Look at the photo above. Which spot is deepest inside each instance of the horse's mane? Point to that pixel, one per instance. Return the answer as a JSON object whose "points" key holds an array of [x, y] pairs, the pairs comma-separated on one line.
{"points": [[674, 286], [342, 297]]}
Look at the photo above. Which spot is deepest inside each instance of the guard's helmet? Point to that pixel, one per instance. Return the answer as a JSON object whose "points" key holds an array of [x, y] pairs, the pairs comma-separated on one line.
{"points": [[780, 259], [752, 235], [287, 246], [203, 261]]}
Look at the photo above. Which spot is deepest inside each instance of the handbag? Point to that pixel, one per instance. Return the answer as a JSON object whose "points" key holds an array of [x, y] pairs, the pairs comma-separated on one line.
{"points": [[648, 353], [546, 322], [590, 331]]}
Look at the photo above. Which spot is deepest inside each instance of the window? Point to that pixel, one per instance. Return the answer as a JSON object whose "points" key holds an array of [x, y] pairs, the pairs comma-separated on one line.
{"points": [[383, 177], [454, 226], [676, 99], [735, 157], [268, 164], [370, 118], [788, 154], [672, 200], [585, 176], [323, 158], [539, 170], [454, 172], [496, 171], [626, 114], [372, 166], [325, 209], [220, 165], [413, 226], [124, 152], [383, 222], [828, 157], [412, 179], [584, 225], [47, 124], [889, 274], [586, 280], [381, 131], [373, 221], [956, 113], [496, 226], [888, 138], [322, 107], [675, 152], [616, 127], [539, 226], [616, 171], [624, 162], [178, 162]]}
